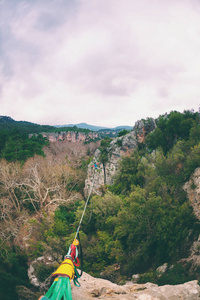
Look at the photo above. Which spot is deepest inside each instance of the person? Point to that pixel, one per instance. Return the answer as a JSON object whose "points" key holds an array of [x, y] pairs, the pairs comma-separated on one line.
{"points": [[60, 279], [95, 165], [66, 269]]}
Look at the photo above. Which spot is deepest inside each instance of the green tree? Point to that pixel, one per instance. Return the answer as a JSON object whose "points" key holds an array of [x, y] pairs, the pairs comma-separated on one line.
{"points": [[152, 230], [170, 129], [19, 147], [104, 155], [123, 132], [130, 172]]}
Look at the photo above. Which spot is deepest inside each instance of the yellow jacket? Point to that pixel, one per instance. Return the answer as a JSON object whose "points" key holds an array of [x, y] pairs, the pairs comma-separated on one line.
{"points": [[66, 269]]}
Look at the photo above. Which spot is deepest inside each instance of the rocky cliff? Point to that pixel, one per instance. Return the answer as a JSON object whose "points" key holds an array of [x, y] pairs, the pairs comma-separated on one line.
{"points": [[192, 187], [70, 136], [120, 146]]}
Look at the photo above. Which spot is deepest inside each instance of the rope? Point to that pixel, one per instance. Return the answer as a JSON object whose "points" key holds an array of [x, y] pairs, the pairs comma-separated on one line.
{"points": [[90, 217], [61, 288], [85, 206]]}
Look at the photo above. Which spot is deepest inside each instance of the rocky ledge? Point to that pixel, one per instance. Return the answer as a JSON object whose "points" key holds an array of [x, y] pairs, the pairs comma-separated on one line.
{"points": [[103, 289]]}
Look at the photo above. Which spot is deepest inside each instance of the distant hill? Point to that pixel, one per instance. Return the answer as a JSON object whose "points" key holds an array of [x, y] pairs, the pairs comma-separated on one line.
{"points": [[5, 119], [7, 123], [96, 128]]}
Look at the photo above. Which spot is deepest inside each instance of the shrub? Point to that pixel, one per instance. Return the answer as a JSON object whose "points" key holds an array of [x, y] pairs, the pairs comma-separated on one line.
{"points": [[43, 271], [178, 274]]}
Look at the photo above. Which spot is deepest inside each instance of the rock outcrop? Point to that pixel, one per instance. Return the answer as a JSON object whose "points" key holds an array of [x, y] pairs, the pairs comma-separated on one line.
{"points": [[42, 262], [192, 187], [119, 147], [103, 289], [69, 136], [96, 288]]}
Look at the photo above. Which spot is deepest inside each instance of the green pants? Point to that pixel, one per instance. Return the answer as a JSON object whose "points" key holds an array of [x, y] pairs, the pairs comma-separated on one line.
{"points": [[59, 290]]}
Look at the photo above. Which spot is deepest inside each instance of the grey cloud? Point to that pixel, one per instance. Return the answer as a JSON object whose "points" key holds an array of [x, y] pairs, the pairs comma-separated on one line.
{"points": [[47, 21], [75, 51], [163, 92], [53, 15], [30, 48]]}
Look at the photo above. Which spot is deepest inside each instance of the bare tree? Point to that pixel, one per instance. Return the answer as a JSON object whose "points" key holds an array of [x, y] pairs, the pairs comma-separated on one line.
{"points": [[37, 187], [9, 173], [44, 184], [27, 191]]}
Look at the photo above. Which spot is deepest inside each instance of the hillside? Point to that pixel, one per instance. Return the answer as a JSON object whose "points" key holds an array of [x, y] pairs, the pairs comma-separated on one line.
{"points": [[7, 123], [144, 210], [20, 140], [139, 218]]}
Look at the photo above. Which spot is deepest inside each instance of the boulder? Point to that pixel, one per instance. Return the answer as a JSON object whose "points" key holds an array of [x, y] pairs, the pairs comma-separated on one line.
{"points": [[162, 269]]}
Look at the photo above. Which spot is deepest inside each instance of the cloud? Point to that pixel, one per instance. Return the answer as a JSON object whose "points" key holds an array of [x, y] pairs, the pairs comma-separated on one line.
{"points": [[73, 61]]}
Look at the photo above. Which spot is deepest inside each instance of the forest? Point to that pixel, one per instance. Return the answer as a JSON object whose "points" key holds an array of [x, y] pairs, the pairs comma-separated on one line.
{"points": [[140, 222]]}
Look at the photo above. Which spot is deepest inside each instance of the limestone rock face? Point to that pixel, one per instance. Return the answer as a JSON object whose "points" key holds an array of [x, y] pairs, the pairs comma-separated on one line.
{"points": [[103, 289], [69, 136], [192, 187], [32, 274], [119, 147], [143, 127], [162, 269]]}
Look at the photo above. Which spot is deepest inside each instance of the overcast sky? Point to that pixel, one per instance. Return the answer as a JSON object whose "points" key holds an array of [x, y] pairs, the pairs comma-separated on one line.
{"points": [[103, 62]]}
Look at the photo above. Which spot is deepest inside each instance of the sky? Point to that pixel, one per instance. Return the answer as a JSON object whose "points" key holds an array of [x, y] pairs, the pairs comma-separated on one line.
{"points": [[102, 62]]}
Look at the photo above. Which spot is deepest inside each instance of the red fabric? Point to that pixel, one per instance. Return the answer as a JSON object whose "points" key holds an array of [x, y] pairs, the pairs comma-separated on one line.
{"points": [[77, 263], [73, 251], [73, 255]]}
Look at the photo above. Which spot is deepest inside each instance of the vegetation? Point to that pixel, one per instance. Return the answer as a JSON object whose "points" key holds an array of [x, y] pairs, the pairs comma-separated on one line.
{"points": [[123, 132], [154, 222], [142, 221], [19, 147], [29, 193], [104, 155], [172, 128], [21, 140], [7, 124], [74, 128], [13, 270]]}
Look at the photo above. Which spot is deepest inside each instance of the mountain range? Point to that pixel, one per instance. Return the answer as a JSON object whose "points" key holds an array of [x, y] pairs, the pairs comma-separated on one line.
{"points": [[8, 120], [96, 128]]}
